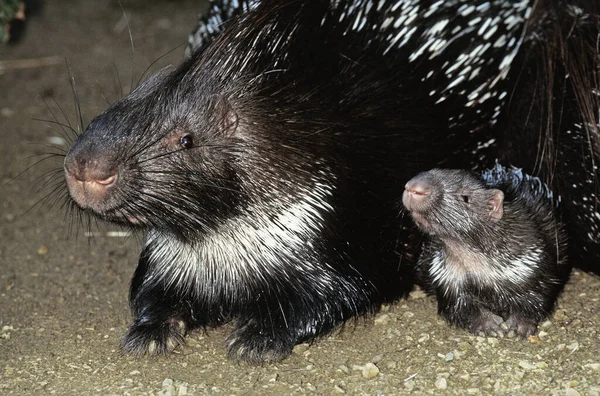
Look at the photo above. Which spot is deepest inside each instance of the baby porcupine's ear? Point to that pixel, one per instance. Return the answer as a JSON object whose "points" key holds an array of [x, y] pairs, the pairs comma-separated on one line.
{"points": [[225, 116], [496, 202]]}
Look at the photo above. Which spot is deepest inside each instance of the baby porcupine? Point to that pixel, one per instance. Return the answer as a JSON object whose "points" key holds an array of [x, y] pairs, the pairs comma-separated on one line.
{"points": [[494, 251]]}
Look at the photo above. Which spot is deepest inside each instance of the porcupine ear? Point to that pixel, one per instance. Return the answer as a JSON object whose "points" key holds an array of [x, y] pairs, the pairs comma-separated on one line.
{"points": [[225, 115], [496, 206]]}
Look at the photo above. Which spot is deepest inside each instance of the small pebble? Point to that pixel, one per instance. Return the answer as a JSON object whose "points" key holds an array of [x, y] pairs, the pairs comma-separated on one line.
{"points": [[573, 346], [416, 294], [560, 315], [167, 391], [9, 217], [449, 357], [370, 370], [382, 319], [576, 323], [441, 383], [6, 112], [527, 365], [300, 348], [339, 389], [571, 392]]}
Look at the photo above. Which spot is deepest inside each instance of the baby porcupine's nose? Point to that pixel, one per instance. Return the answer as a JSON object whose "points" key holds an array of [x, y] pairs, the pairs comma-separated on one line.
{"points": [[417, 193]]}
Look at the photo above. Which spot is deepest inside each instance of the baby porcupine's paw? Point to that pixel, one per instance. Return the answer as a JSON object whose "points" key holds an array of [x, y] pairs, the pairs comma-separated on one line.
{"points": [[151, 338], [488, 324], [520, 326], [250, 343]]}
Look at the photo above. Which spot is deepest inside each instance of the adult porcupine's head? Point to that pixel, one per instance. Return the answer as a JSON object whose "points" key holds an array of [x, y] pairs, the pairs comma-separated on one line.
{"points": [[216, 136], [161, 157]]}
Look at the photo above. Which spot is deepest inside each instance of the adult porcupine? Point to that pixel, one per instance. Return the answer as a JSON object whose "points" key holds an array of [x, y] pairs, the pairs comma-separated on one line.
{"points": [[267, 166]]}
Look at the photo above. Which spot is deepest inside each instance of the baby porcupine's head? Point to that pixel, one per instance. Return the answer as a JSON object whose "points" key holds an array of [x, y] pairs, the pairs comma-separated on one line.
{"points": [[161, 157], [451, 203]]}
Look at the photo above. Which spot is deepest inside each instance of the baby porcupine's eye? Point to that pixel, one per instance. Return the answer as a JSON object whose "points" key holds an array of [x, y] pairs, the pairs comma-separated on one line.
{"points": [[465, 198], [186, 142]]}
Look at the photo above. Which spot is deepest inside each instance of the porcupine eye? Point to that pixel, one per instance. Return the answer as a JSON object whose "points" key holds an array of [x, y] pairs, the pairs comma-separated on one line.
{"points": [[186, 142], [465, 198]]}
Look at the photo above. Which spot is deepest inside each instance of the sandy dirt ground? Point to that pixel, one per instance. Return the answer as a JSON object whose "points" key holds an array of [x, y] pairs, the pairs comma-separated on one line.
{"points": [[63, 295]]}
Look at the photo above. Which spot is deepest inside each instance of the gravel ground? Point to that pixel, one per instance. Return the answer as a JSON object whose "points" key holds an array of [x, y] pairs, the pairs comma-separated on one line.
{"points": [[63, 295]]}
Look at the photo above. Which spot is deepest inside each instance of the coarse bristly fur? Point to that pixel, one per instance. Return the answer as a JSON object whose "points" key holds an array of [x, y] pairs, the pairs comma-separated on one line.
{"points": [[266, 167], [495, 256]]}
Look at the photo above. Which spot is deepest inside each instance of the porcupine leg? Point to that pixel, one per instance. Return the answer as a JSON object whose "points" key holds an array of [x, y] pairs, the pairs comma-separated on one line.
{"points": [[258, 340], [526, 312], [268, 330], [521, 325], [465, 312], [160, 318]]}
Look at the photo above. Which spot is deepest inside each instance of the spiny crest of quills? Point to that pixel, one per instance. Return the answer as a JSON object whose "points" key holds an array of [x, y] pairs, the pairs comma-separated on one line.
{"points": [[213, 21], [514, 179]]}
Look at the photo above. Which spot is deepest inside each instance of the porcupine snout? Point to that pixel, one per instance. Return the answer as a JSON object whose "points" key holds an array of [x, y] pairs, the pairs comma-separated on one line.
{"points": [[417, 196], [90, 174]]}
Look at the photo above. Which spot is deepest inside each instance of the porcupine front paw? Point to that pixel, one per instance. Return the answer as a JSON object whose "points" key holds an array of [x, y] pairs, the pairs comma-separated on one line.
{"points": [[151, 338], [488, 323], [522, 327], [251, 343]]}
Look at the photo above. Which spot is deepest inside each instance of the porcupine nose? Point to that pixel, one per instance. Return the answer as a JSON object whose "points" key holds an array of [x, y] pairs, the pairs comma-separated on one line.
{"points": [[90, 177], [417, 193]]}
